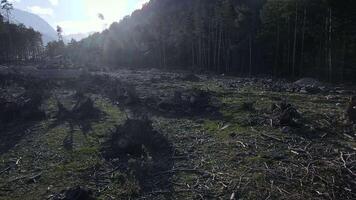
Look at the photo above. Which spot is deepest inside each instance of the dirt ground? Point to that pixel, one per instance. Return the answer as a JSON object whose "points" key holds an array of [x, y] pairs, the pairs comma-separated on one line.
{"points": [[171, 135]]}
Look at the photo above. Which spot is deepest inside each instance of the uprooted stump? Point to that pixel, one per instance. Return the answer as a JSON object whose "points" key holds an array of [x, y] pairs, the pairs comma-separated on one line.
{"points": [[351, 110], [75, 193], [117, 91], [20, 109], [16, 116], [114, 89], [191, 78], [24, 108], [188, 103], [284, 114], [142, 150]]}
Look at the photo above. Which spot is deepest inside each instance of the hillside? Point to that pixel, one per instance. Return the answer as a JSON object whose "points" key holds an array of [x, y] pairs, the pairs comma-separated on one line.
{"points": [[76, 37], [36, 22]]}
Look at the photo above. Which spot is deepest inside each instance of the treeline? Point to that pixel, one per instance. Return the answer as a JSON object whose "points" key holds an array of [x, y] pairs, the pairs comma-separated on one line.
{"points": [[285, 38], [18, 43], [309, 38]]}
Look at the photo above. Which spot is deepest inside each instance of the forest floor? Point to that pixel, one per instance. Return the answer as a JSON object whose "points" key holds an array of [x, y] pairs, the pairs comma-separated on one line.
{"points": [[170, 135]]}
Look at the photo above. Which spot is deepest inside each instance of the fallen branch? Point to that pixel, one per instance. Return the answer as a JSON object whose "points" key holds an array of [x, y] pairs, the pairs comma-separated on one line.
{"points": [[272, 137], [6, 169]]}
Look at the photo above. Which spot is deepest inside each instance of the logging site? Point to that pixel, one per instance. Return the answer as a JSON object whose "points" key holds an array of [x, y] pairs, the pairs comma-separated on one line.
{"points": [[177, 99]]}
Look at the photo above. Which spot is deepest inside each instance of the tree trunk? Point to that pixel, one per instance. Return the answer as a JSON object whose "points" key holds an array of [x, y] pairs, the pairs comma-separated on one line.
{"points": [[227, 67], [250, 57], [303, 39], [295, 39], [330, 45], [219, 49], [326, 49], [193, 55], [164, 55], [343, 58], [215, 48], [288, 45], [277, 51]]}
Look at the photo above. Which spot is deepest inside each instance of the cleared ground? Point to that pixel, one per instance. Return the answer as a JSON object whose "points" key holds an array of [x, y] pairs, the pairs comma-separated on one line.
{"points": [[214, 137]]}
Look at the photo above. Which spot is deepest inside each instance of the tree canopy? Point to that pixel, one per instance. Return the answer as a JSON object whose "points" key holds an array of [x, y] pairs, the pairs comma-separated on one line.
{"points": [[290, 38], [18, 43]]}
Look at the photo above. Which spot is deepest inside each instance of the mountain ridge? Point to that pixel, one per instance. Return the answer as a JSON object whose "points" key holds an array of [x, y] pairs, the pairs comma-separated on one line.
{"points": [[34, 21]]}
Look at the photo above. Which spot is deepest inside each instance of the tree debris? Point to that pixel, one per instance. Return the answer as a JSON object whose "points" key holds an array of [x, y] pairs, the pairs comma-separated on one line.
{"points": [[284, 114]]}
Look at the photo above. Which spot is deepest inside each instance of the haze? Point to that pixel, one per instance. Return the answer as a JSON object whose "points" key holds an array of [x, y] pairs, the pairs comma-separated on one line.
{"points": [[79, 16]]}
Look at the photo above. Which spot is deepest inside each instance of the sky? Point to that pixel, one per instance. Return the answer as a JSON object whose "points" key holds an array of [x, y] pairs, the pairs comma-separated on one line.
{"points": [[79, 16]]}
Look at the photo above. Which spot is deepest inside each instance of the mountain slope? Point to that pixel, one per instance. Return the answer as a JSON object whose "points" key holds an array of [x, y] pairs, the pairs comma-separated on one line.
{"points": [[77, 36], [36, 22]]}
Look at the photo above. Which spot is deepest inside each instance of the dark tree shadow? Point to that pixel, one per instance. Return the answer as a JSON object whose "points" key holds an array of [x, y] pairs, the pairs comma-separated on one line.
{"points": [[82, 115], [144, 152], [18, 116]]}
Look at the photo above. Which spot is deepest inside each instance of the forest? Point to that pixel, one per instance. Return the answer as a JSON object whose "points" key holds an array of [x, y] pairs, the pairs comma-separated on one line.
{"points": [[18, 43], [182, 99], [292, 38]]}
